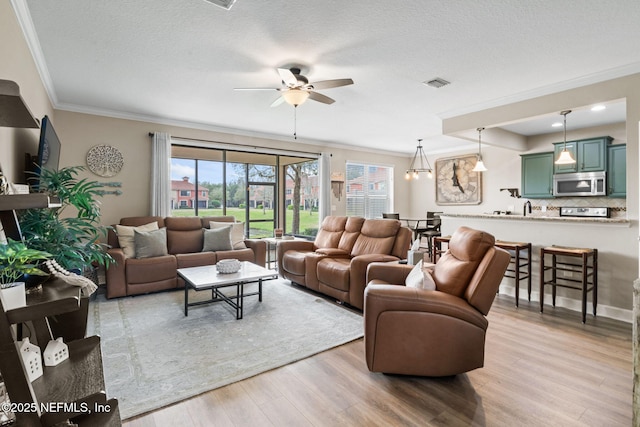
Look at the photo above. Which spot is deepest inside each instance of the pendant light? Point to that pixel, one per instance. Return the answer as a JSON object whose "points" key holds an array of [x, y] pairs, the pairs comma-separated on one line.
{"points": [[565, 156], [479, 167], [413, 171]]}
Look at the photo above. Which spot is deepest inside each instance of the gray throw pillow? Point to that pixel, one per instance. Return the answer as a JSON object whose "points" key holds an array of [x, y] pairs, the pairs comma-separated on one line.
{"points": [[217, 239], [150, 243]]}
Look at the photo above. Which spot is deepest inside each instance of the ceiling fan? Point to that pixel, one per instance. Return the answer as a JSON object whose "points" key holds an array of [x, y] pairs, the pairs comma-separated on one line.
{"points": [[296, 88]]}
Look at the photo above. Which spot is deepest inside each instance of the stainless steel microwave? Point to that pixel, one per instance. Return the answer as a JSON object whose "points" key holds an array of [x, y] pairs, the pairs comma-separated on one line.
{"points": [[580, 184]]}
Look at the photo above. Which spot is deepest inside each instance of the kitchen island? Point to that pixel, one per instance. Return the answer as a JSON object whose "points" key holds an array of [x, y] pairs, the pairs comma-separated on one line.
{"points": [[615, 238]]}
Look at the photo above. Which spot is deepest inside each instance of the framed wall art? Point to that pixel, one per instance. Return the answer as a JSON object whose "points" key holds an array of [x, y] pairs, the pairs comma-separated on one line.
{"points": [[456, 182], [105, 160]]}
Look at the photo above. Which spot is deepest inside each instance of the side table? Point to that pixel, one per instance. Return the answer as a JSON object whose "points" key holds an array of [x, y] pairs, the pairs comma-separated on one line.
{"points": [[272, 244]]}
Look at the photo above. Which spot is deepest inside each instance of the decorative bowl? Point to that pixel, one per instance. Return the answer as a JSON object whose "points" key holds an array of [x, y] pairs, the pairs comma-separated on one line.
{"points": [[228, 266]]}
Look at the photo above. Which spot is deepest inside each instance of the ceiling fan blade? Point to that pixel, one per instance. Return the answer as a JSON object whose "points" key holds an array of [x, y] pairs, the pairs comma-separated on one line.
{"points": [[287, 77], [279, 100], [327, 84], [321, 98], [256, 88]]}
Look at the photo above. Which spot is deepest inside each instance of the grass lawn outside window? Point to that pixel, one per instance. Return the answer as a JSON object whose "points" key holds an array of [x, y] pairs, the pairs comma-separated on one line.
{"points": [[308, 219]]}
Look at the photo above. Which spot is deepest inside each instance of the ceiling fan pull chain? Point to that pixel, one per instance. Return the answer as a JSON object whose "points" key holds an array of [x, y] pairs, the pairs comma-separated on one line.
{"points": [[295, 122]]}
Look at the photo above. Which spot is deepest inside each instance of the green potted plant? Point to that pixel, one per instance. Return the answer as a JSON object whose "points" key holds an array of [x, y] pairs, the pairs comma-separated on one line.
{"points": [[72, 232], [16, 261]]}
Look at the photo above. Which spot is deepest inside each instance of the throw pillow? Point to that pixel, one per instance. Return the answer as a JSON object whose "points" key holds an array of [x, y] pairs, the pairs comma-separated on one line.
{"points": [[125, 237], [217, 239], [420, 278], [150, 243], [237, 232]]}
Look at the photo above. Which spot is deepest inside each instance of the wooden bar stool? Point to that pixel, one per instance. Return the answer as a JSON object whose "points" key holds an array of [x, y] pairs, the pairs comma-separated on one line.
{"points": [[437, 247], [520, 258], [586, 271]]}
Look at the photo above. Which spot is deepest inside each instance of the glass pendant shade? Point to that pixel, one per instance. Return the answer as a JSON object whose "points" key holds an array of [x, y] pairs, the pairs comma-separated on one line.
{"points": [[565, 158], [295, 96], [479, 167]]}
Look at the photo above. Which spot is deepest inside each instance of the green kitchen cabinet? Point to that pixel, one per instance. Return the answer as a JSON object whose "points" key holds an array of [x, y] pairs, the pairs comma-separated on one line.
{"points": [[591, 155], [617, 171], [537, 175]]}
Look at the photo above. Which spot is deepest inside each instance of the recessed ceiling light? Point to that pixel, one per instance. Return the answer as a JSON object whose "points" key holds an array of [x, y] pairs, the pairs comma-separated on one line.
{"points": [[557, 125], [226, 4], [598, 107]]}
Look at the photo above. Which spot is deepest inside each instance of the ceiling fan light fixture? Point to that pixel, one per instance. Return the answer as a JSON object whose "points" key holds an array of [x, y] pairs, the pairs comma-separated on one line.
{"points": [[225, 4], [295, 96]]}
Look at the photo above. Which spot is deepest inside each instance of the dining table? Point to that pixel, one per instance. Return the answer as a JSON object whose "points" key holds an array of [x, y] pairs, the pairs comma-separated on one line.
{"points": [[418, 225]]}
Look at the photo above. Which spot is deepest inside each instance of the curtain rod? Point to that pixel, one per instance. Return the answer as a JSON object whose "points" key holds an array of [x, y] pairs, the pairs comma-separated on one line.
{"points": [[152, 134]]}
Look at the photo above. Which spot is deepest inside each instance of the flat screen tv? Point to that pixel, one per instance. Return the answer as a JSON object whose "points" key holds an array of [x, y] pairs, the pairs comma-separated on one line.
{"points": [[48, 152], [49, 147]]}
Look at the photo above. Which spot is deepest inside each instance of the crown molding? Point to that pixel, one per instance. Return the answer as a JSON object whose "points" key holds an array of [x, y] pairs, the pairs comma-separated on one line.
{"points": [[610, 74], [26, 24], [74, 108]]}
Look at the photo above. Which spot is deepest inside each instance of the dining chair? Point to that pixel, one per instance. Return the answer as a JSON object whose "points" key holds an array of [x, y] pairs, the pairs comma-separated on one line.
{"points": [[432, 230]]}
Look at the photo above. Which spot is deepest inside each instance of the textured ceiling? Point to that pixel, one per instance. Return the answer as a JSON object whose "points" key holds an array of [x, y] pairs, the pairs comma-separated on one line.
{"points": [[177, 61]]}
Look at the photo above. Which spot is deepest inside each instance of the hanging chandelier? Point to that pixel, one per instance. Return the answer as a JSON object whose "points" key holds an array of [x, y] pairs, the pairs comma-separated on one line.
{"points": [[413, 171], [565, 156], [479, 167]]}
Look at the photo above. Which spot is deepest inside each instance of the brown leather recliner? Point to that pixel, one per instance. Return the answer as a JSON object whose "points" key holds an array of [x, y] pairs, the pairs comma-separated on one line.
{"points": [[439, 332]]}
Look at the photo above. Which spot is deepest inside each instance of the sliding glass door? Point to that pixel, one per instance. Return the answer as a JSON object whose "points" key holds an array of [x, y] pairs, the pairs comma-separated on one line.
{"points": [[265, 191]]}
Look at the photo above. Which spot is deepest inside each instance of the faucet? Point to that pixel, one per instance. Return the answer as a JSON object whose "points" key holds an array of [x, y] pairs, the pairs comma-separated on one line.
{"points": [[526, 207]]}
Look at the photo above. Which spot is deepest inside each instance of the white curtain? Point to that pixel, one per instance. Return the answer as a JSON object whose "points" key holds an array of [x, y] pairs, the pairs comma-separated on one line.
{"points": [[325, 185], [161, 174]]}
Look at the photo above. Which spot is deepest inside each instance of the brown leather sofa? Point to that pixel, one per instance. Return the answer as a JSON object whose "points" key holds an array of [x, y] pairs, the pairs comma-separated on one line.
{"points": [[441, 332], [131, 276], [335, 264]]}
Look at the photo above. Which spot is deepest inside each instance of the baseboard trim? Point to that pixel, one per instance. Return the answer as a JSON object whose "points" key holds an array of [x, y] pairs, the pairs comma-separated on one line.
{"points": [[573, 304]]}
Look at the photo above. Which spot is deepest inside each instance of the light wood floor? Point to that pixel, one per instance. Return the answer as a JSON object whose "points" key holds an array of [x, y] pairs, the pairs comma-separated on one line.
{"points": [[540, 370]]}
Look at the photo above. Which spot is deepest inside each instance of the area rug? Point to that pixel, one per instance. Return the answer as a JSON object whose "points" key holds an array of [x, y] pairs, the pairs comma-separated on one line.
{"points": [[154, 356]]}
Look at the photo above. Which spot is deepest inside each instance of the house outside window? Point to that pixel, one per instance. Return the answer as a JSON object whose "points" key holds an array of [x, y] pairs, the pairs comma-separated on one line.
{"points": [[367, 188], [259, 189]]}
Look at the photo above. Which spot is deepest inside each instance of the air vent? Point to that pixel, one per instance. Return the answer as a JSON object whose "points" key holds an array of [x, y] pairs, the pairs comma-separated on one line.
{"points": [[437, 82], [226, 4]]}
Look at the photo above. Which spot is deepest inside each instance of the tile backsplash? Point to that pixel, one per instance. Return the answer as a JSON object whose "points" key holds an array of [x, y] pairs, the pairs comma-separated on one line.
{"points": [[618, 206]]}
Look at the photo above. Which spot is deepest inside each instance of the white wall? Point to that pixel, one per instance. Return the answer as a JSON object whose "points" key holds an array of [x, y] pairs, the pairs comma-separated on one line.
{"points": [[17, 64], [79, 132]]}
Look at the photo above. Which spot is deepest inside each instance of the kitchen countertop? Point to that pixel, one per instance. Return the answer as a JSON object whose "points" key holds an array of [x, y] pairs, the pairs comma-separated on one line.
{"points": [[622, 221]]}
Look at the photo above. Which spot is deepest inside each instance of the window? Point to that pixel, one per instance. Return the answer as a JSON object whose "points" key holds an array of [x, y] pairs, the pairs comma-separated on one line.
{"points": [[256, 188], [367, 190]]}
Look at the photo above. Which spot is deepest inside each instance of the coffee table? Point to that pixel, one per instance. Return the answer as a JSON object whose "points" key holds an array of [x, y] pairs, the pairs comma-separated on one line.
{"points": [[207, 277]]}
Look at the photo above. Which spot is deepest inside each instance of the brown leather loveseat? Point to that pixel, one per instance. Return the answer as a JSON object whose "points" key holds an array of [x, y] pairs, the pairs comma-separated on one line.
{"points": [[185, 240], [335, 264]]}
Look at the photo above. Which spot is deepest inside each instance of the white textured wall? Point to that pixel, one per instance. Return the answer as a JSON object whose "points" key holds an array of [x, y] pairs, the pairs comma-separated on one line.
{"points": [[79, 132]]}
